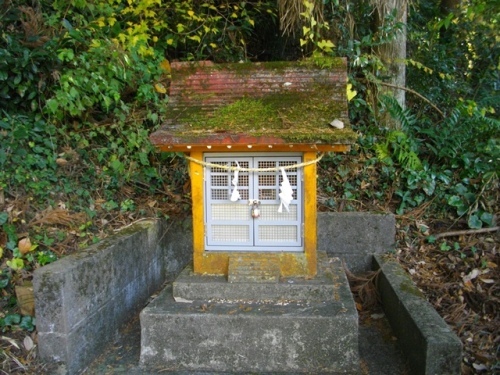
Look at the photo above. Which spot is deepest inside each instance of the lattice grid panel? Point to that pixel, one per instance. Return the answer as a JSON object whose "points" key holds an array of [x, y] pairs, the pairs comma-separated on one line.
{"points": [[230, 212], [231, 227], [219, 180], [219, 177], [268, 194], [219, 194], [267, 179], [278, 233], [270, 213], [230, 233]]}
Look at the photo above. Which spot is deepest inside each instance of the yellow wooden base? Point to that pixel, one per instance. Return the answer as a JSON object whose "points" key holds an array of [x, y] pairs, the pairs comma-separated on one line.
{"points": [[217, 263]]}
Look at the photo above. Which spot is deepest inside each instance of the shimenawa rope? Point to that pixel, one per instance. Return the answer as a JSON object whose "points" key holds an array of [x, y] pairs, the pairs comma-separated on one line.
{"points": [[241, 169]]}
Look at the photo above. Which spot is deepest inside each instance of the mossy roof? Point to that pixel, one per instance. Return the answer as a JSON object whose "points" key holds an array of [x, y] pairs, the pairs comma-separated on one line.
{"points": [[278, 102]]}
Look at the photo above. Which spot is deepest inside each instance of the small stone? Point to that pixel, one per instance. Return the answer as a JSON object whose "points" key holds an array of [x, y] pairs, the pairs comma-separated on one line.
{"points": [[337, 124]]}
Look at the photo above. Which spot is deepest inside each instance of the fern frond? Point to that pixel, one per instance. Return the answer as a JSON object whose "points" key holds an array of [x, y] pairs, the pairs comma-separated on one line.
{"points": [[396, 136], [490, 122], [402, 150], [403, 116], [452, 120], [383, 153], [410, 161]]}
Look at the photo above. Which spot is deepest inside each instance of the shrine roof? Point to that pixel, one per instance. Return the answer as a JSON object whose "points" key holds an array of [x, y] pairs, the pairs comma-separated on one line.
{"points": [[275, 103]]}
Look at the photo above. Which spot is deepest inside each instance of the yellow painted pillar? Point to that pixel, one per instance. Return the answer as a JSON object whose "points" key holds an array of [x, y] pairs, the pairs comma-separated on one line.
{"points": [[197, 176], [310, 241]]}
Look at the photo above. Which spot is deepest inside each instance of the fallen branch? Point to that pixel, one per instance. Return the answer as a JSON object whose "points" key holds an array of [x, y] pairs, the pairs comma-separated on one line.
{"points": [[414, 93], [466, 232]]}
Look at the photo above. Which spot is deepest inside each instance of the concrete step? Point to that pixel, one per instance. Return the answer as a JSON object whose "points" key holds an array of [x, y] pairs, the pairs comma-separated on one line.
{"points": [[326, 286], [253, 268], [304, 335]]}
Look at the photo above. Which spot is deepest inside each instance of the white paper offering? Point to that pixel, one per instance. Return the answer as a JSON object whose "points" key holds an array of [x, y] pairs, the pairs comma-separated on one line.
{"points": [[235, 196], [286, 192]]}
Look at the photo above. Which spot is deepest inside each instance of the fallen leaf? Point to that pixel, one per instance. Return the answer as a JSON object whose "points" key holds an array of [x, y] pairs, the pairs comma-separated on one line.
{"points": [[487, 281], [28, 343], [11, 341], [364, 185], [472, 275], [479, 367], [160, 88], [61, 161], [24, 245], [165, 65], [25, 299]]}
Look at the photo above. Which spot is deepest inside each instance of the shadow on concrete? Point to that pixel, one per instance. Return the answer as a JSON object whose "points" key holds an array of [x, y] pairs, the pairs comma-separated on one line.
{"points": [[378, 349]]}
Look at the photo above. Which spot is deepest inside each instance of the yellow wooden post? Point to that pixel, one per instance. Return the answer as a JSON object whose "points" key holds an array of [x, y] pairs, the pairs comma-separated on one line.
{"points": [[197, 177], [310, 243]]}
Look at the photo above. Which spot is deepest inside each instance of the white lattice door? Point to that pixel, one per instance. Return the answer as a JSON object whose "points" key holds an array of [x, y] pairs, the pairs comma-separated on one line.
{"points": [[236, 225]]}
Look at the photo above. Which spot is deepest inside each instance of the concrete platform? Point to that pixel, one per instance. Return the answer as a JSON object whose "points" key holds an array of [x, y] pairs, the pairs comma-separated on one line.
{"points": [[328, 285], [285, 331]]}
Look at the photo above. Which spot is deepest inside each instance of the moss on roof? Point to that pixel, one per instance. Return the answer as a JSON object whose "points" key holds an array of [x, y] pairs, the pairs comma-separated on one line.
{"points": [[306, 120], [294, 102]]}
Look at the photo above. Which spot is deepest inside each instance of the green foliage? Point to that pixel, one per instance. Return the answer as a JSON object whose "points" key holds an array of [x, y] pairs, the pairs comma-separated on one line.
{"points": [[83, 84], [13, 321], [183, 29], [27, 162], [27, 57], [461, 48], [453, 62], [313, 30]]}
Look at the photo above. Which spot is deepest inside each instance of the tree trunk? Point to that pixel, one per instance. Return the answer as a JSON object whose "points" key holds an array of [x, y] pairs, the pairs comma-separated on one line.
{"points": [[393, 55]]}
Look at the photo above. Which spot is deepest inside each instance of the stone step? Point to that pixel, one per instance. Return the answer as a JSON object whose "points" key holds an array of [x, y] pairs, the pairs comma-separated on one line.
{"points": [[326, 286], [254, 336], [253, 268]]}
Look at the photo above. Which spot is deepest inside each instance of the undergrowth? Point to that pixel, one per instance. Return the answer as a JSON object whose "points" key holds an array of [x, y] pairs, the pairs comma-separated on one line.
{"points": [[83, 84]]}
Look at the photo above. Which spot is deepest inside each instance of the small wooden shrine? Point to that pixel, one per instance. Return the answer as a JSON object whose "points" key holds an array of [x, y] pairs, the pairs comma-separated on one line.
{"points": [[253, 133]]}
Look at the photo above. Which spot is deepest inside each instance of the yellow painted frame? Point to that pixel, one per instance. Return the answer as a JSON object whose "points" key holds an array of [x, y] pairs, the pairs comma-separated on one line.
{"points": [[292, 263]]}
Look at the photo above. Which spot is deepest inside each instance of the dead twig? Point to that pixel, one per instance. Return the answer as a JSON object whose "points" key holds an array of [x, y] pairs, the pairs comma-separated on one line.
{"points": [[135, 222], [466, 232], [364, 287], [414, 93]]}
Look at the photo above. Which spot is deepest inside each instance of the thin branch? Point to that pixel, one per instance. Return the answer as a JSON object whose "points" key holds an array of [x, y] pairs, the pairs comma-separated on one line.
{"points": [[466, 232], [414, 93]]}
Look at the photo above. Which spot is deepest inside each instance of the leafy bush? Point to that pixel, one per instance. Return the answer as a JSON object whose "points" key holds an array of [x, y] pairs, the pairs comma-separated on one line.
{"points": [[27, 57], [28, 160]]}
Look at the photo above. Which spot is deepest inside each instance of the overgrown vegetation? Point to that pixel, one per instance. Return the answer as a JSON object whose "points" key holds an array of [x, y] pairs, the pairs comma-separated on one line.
{"points": [[83, 84]]}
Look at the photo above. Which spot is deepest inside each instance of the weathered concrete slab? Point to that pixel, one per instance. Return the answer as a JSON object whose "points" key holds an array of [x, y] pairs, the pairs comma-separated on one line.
{"points": [[328, 285], [253, 268], [356, 236], [430, 345], [83, 299], [244, 336]]}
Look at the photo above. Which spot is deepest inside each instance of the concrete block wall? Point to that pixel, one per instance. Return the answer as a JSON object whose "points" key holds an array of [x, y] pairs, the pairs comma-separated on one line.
{"points": [[356, 236], [83, 300], [429, 344]]}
